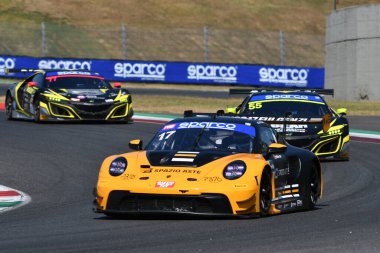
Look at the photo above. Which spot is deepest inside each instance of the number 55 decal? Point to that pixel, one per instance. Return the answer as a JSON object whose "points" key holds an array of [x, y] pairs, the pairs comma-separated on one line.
{"points": [[254, 105]]}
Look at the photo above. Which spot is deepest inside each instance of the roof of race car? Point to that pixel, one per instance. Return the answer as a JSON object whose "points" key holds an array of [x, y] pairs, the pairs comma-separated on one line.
{"points": [[286, 95]]}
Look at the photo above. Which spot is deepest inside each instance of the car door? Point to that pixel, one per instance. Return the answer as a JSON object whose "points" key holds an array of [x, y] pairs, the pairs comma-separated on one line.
{"points": [[278, 161], [22, 95]]}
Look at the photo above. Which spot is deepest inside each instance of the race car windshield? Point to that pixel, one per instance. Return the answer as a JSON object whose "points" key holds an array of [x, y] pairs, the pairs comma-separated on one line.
{"points": [[76, 83], [203, 139], [281, 108]]}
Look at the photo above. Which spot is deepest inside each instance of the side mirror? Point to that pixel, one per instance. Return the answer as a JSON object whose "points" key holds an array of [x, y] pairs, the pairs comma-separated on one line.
{"points": [[136, 144], [231, 110], [32, 84], [342, 111], [117, 85], [276, 148]]}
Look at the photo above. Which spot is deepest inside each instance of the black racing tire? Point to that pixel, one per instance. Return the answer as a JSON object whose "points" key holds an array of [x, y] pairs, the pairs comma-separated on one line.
{"points": [[312, 188], [265, 192], [37, 112], [8, 107]]}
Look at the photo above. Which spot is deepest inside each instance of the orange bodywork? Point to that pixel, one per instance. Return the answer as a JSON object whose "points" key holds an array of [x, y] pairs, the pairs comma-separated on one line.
{"points": [[140, 177]]}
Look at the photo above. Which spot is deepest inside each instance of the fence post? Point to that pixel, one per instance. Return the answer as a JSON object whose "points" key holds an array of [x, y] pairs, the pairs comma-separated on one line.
{"points": [[205, 43], [43, 39], [124, 41], [282, 48]]}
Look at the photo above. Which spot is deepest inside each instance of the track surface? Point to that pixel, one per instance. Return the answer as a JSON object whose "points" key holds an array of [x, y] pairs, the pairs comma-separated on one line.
{"points": [[57, 165]]}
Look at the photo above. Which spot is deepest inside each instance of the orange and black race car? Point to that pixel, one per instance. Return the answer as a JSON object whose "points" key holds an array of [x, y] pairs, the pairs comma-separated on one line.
{"points": [[302, 116], [54, 95], [211, 165]]}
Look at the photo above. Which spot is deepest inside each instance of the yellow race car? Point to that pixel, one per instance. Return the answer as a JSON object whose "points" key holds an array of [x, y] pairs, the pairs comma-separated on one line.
{"points": [[211, 165], [67, 95]]}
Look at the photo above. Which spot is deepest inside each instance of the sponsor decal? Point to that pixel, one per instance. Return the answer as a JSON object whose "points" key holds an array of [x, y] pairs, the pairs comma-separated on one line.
{"points": [[287, 76], [165, 184], [59, 73], [7, 63], [213, 179], [290, 128], [188, 171], [215, 125], [282, 172], [240, 186], [143, 71], [216, 73], [280, 97], [168, 127], [128, 176], [64, 64]]}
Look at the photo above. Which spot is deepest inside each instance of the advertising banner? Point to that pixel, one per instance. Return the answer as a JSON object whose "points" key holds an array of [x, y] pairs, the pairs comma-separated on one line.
{"points": [[176, 72]]}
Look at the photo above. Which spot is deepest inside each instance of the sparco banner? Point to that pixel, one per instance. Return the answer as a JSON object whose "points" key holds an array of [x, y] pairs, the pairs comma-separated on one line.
{"points": [[176, 72]]}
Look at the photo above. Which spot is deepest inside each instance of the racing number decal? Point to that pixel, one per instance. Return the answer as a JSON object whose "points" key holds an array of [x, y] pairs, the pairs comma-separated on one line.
{"points": [[254, 105], [166, 135]]}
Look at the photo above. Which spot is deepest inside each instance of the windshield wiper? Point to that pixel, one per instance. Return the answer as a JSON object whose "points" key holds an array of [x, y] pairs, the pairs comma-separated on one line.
{"points": [[198, 138]]}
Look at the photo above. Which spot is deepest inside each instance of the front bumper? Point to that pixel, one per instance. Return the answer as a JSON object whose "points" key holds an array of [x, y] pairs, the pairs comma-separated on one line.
{"points": [[327, 147], [52, 111], [124, 202]]}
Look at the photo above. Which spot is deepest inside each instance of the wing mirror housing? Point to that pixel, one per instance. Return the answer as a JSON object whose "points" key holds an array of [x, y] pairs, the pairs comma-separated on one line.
{"points": [[342, 111], [276, 148], [136, 144], [32, 84], [117, 85], [231, 110]]}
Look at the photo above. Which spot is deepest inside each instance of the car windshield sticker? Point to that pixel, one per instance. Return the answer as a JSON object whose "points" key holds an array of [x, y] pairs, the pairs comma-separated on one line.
{"points": [[60, 73], [285, 97], [209, 125]]}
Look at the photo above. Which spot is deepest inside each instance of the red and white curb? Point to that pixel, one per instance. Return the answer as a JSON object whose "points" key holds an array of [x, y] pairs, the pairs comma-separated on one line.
{"points": [[365, 136], [11, 199], [151, 119]]}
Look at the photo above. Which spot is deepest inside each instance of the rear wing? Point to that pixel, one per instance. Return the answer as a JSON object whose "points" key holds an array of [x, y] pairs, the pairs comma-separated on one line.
{"points": [[190, 113], [262, 89], [8, 71]]}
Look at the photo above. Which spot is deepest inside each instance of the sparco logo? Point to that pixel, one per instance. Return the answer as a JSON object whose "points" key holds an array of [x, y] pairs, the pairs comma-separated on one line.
{"points": [[145, 71], [215, 73], [64, 64], [8, 63], [287, 76]]}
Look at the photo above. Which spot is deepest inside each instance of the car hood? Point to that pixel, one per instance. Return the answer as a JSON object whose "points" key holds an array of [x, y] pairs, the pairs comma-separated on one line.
{"points": [[90, 95], [184, 158]]}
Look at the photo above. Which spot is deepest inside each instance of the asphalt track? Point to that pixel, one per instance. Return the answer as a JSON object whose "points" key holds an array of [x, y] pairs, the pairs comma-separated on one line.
{"points": [[57, 165]]}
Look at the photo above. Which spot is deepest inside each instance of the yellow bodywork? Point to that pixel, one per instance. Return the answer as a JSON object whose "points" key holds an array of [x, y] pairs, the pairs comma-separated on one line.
{"points": [[243, 193]]}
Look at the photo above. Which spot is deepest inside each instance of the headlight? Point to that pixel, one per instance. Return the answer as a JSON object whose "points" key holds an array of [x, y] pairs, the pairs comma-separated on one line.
{"points": [[234, 170], [118, 166]]}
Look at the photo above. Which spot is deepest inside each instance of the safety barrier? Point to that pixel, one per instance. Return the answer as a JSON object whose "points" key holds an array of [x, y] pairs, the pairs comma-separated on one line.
{"points": [[176, 72]]}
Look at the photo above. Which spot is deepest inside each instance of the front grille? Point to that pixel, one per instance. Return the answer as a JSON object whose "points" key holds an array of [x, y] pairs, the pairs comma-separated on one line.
{"points": [[329, 147], [93, 111], [301, 142], [123, 201]]}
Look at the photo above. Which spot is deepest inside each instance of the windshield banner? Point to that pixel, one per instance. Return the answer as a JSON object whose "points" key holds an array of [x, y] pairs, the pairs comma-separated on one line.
{"points": [[175, 72]]}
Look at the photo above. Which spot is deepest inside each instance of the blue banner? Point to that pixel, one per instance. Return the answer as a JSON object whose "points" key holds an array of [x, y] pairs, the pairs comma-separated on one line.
{"points": [[176, 72]]}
